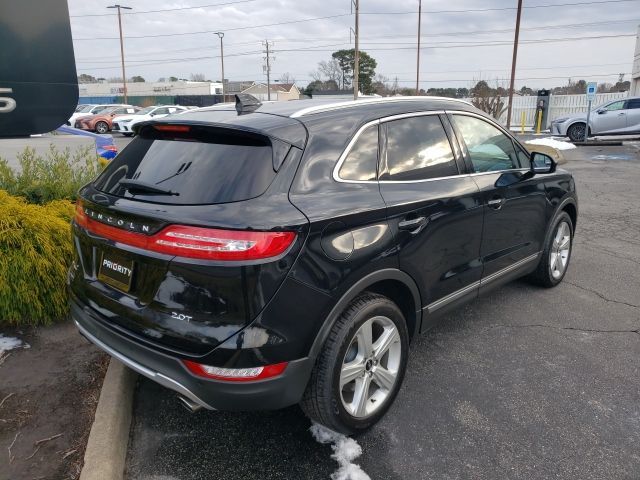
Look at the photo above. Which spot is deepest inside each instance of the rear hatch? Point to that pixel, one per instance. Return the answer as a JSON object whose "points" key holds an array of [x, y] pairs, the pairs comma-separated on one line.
{"points": [[187, 234]]}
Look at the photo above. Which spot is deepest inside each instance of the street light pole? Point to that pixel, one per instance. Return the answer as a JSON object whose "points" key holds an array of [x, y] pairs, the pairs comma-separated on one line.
{"points": [[221, 36], [356, 63], [418, 56], [513, 64], [124, 75]]}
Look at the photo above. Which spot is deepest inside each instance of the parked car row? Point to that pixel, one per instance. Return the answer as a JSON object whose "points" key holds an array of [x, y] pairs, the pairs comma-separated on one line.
{"points": [[125, 123], [119, 117], [101, 122]]}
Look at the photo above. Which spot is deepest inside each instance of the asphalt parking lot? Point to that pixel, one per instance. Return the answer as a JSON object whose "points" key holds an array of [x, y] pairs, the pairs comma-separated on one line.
{"points": [[526, 383]]}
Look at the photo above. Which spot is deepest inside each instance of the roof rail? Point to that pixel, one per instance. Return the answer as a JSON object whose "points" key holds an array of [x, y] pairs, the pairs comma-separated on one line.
{"points": [[352, 103]]}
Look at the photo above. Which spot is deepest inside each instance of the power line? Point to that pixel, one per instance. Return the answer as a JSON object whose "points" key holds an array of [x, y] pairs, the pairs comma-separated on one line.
{"points": [[214, 5], [472, 45], [164, 9], [458, 44], [226, 29], [441, 45], [498, 9], [599, 2]]}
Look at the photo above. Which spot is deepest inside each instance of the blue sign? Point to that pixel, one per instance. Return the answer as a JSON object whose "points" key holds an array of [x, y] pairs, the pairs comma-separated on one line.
{"points": [[592, 89]]}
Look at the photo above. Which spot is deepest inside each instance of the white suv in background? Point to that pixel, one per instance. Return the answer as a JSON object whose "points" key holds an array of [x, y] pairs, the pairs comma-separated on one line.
{"points": [[124, 124], [619, 117]]}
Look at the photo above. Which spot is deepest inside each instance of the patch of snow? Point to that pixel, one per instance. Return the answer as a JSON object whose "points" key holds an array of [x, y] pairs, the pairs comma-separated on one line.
{"points": [[345, 451], [9, 343], [552, 142]]}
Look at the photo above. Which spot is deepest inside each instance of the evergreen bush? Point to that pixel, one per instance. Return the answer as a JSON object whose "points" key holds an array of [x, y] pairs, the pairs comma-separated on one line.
{"points": [[35, 253]]}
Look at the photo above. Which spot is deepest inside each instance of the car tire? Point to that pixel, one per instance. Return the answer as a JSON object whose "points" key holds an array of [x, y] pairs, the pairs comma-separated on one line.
{"points": [[128, 134], [556, 254], [576, 132], [102, 127], [349, 366]]}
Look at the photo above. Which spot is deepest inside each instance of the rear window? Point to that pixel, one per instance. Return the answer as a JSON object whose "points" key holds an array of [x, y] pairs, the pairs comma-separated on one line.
{"points": [[199, 167]]}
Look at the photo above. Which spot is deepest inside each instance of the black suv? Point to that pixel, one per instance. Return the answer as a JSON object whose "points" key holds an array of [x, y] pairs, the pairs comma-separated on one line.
{"points": [[264, 255]]}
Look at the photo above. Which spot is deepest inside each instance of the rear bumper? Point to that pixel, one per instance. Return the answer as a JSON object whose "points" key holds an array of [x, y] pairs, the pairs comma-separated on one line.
{"points": [[168, 371]]}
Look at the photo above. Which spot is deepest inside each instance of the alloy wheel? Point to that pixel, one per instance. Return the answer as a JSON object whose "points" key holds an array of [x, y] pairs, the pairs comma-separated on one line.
{"points": [[560, 249], [577, 132], [370, 367]]}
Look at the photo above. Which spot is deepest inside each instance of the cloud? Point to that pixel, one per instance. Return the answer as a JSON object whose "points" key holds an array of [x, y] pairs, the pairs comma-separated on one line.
{"points": [[452, 53]]}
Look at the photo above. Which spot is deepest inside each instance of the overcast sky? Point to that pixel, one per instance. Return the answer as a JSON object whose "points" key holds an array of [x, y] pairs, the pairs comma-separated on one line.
{"points": [[452, 51]]}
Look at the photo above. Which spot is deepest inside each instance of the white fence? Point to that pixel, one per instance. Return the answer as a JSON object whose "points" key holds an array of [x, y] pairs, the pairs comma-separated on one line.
{"points": [[559, 106]]}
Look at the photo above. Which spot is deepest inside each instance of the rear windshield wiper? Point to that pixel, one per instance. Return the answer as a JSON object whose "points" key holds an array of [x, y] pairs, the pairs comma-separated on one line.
{"points": [[140, 186]]}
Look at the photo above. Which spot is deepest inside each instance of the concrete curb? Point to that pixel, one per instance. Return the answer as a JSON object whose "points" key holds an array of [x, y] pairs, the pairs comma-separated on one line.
{"points": [[106, 453]]}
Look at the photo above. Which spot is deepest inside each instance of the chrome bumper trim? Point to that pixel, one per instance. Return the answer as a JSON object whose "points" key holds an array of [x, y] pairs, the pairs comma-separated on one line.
{"points": [[157, 377]]}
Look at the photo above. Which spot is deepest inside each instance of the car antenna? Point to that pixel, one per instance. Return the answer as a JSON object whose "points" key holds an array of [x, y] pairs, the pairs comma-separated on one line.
{"points": [[246, 103]]}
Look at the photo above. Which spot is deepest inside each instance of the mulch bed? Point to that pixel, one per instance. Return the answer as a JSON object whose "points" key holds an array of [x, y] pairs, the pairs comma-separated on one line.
{"points": [[48, 396]]}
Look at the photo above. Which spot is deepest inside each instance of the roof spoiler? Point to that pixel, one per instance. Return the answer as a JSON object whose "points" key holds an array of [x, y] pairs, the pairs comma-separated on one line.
{"points": [[246, 103]]}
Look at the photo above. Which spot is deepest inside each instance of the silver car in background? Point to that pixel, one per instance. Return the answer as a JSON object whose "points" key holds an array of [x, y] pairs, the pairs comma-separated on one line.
{"points": [[620, 117]]}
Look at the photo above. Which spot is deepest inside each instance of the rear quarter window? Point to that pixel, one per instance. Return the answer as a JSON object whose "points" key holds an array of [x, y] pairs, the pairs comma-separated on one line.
{"points": [[200, 167], [361, 163]]}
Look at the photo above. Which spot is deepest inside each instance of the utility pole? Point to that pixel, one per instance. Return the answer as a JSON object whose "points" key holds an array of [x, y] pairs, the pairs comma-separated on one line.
{"points": [[513, 64], [124, 75], [221, 36], [267, 66], [418, 55], [356, 63]]}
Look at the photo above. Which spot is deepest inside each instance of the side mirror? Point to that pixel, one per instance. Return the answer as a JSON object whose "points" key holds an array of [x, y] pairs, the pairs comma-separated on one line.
{"points": [[541, 163], [601, 111]]}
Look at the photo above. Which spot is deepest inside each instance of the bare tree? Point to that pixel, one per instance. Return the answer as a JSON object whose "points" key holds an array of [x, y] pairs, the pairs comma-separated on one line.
{"points": [[287, 78], [197, 77], [381, 85], [487, 98], [331, 71]]}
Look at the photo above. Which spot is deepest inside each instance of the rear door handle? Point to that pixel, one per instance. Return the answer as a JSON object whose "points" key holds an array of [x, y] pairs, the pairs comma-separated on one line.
{"points": [[496, 203], [414, 225]]}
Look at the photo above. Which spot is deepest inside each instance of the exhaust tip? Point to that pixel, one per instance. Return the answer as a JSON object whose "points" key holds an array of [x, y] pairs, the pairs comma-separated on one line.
{"points": [[190, 405]]}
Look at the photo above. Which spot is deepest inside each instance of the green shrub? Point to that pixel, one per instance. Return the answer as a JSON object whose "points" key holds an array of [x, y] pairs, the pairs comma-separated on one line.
{"points": [[35, 253], [55, 176]]}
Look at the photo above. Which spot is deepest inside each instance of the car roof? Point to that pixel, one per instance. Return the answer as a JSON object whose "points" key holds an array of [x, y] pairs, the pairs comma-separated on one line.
{"points": [[305, 108], [283, 119]]}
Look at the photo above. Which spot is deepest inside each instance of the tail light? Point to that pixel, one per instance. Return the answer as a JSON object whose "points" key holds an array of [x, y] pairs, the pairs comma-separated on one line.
{"points": [[195, 242], [236, 374]]}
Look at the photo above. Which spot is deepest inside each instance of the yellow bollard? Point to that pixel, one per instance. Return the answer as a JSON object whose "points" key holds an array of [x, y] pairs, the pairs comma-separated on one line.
{"points": [[539, 123], [522, 122]]}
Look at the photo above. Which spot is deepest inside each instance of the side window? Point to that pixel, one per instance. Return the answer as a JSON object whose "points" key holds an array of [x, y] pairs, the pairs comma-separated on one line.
{"points": [[160, 111], [362, 160], [633, 104], [612, 107], [490, 150], [418, 149]]}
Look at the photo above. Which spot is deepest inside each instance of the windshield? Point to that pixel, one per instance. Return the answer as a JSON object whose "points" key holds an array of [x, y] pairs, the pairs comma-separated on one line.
{"points": [[109, 110], [99, 109], [84, 108], [145, 111]]}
